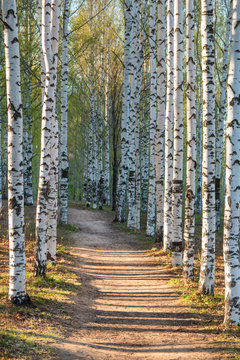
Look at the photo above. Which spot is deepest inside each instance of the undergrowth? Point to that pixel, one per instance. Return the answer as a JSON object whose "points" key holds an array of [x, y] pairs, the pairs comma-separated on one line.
{"points": [[28, 332]]}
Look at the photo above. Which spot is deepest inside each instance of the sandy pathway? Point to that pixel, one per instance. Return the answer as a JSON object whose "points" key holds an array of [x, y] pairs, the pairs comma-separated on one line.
{"points": [[127, 310]]}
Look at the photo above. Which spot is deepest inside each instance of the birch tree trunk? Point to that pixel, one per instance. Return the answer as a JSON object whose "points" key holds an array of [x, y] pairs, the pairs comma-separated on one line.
{"points": [[17, 286], [189, 225], [137, 224], [107, 150], [144, 139], [161, 45], [1, 121], [232, 189], [199, 153], [44, 175], [133, 116], [5, 160], [93, 121], [167, 216], [207, 270], [64, 120], [143, 24], [177, 187], [28, 139], [90, 159], [123, 171], [222, 116], [101, 184], [53, 189], [151, 211]]}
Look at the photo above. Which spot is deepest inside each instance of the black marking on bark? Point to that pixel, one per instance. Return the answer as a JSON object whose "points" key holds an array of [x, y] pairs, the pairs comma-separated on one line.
{"points": [[20, 300], [14, 205], [65, 173]]}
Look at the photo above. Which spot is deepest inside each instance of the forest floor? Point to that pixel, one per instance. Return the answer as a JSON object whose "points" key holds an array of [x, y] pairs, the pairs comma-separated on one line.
{"points": [[112, 296]]}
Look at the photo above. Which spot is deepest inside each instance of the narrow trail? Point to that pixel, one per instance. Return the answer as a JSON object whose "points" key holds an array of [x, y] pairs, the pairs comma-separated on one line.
{"points": [[127, 309]]}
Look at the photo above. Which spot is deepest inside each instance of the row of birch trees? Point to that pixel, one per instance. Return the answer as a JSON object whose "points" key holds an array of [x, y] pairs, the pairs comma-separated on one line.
{"points": [[40, 78], [178, 149]]}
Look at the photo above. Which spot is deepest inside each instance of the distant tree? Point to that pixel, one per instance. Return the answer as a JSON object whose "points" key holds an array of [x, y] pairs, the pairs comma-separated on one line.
{"points": [[64, 165]]}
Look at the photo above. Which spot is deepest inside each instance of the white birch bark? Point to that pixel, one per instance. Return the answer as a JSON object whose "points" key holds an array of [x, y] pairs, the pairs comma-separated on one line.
{"points": [[167, 215], [90, 159], [189, 225], [28, 139], [17, 286], [5, 160], [123, 170], [64, 120], [53, 189], [106, 143], [44, 175], [133, 116], [199, 152], [161, 45], [93, 121], [151, 211], [101, 184], [143, 14], [138, 182], [207, 270], [222, 116], [232, 189], [43, 70], [177, 185], [144, 139], [85, 161], [1, 122]]}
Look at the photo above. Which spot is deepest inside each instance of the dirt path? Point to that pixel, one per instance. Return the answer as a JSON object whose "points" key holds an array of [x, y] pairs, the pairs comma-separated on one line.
{"points": [[127, 310]]}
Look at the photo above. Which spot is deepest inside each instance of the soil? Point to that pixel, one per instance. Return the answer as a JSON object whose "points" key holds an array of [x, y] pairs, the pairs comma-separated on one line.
{"points": [[127, 310]]}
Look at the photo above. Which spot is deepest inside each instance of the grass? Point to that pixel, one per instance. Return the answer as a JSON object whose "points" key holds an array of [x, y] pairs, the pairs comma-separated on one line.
{"points": [[29, 332]]}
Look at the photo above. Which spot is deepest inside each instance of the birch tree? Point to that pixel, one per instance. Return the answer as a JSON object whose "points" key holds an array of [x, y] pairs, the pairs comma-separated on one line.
{"points": [[53, 188], [133, 116], [151, 211], [106, 142], [177, 187], [189, 225], [17, 286], [1, 120], [44, 175], [161, 44], [167, 215], [222, 115], [28, 138], [64, 119], [207, 270], [123, 172], [232, 189], [141, 52]]}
